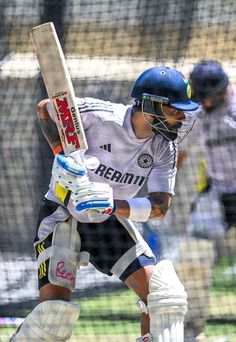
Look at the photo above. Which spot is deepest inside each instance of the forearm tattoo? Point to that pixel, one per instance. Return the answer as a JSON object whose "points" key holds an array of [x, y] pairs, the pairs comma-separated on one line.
{"points": [[161, 204], [49, 130]]}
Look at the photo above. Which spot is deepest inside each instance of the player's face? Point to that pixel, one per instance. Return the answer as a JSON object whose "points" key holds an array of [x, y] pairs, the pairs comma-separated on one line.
{"points": [[174, 117], [207, 104], [210, 103]]}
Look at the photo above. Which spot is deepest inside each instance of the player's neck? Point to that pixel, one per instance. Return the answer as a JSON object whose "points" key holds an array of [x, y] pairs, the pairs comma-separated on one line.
{"points": [[141, 128]]}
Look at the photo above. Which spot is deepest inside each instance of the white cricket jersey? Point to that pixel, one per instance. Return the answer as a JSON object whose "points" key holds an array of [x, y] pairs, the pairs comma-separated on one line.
{"points": [[216, 132], [126, 162]]}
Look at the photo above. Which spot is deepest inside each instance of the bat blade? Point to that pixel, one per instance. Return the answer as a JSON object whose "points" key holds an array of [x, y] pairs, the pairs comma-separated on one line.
{"points": [[59, 87]]}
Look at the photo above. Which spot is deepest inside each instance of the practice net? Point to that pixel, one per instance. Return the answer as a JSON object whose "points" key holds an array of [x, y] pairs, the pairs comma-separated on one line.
{"points": [[107, 45]]}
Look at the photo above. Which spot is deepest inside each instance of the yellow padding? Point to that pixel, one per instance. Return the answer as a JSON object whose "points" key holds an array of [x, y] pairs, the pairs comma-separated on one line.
{"points": [[61, 192], [202, 179]]}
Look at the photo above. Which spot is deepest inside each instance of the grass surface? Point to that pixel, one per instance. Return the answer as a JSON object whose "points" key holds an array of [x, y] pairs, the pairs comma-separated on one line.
{"points": [[115, 316]]}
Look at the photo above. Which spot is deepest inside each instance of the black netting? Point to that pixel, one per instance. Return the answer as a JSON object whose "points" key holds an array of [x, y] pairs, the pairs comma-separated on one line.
{"points": [[107, 44]]}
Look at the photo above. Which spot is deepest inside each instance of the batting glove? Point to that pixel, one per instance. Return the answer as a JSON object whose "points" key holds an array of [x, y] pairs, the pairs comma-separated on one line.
{"points": [[94, 196], [71, 172]]}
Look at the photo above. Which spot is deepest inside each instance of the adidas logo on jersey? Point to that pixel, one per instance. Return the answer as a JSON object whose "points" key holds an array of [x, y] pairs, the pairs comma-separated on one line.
{"points": [[106, 147]]}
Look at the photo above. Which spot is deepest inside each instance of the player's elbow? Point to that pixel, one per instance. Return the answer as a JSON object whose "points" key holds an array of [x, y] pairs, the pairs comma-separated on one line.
{"points": [[42, 109]]}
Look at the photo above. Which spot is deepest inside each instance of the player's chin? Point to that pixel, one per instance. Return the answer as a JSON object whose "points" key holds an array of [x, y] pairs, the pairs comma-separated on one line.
{"points": [[175, 127]]}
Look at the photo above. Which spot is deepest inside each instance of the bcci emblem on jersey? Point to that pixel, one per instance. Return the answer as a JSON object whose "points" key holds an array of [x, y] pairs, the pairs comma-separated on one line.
{"points": [[145, 161]]}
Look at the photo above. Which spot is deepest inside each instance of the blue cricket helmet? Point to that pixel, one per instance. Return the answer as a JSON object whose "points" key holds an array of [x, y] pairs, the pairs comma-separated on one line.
{"points": [[208, 79], [169, 86]]}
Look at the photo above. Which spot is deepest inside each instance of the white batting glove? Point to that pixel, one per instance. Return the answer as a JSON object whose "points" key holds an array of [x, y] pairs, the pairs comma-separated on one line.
{"points": [[94, 196], [71, 172]]}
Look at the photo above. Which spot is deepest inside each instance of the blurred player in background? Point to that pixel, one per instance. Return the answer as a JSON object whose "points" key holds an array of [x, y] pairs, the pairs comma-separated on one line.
{"points": [[214, 211], [88, 211], [213, 214]]}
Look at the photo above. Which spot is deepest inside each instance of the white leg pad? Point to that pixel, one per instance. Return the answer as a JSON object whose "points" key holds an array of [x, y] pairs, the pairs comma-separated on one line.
{"points": [[50, 321], [166, 304]]}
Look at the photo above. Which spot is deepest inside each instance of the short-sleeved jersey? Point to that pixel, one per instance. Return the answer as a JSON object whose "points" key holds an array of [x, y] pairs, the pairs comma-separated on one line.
{"points": [[126, 162], [216, 132]]}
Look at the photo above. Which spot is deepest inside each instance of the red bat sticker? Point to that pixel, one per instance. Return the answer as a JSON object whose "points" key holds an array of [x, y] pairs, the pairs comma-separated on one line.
{"points": [[67, 117]]}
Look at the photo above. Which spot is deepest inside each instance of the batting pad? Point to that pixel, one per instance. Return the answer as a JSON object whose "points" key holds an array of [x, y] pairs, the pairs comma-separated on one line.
{"points": [[51, 321], [64, 255], [167, 304]]}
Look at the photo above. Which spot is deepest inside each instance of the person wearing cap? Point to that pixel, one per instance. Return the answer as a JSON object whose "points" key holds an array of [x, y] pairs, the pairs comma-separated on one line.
{"points": [[89, 209]]}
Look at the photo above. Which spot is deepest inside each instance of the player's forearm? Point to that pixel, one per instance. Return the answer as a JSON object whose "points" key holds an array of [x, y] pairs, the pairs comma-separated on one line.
{"points": [[122, 208], [143, 209], [49, 127], [182, 156], [160, 203]]}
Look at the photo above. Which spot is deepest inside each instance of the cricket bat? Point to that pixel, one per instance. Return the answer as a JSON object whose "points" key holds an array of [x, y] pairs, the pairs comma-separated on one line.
{"points": [[59, 87]]}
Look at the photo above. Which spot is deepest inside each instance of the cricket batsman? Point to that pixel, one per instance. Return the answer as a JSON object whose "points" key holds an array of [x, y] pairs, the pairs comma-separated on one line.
{"points": [[133, 144]]}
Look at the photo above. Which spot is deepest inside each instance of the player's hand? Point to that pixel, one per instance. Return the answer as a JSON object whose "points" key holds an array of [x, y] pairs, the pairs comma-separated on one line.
{"points": [[94, 196], [71, 172]]}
